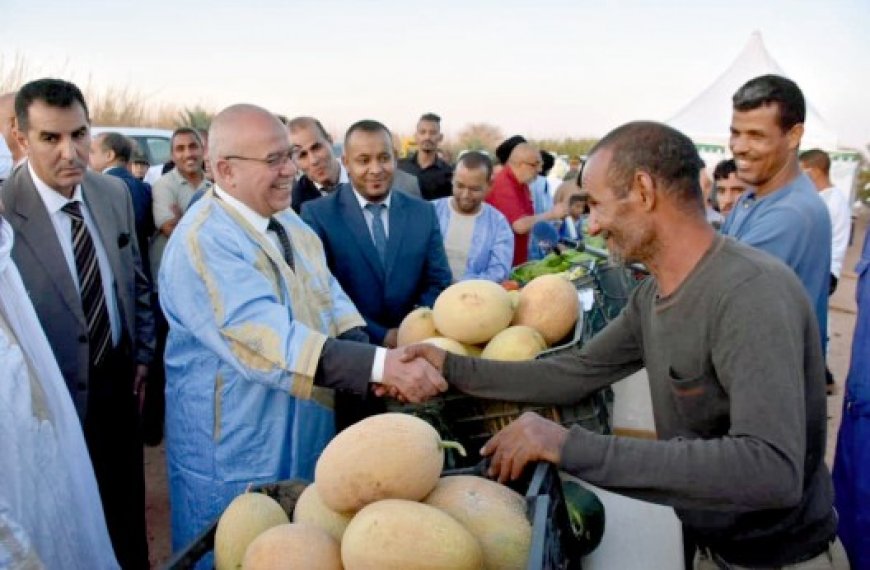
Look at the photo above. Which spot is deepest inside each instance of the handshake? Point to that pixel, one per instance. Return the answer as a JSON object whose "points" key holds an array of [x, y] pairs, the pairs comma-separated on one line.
{"points": [[413, 373]]}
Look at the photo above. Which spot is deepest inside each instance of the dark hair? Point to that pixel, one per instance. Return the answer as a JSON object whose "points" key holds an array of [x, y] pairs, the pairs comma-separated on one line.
{"points": [[580, 197], [504, 150], [118, 144], [431, 118], [473, 160], [668, 155], [547, 162], [282, 118], [724, 169], [53, 92], [186, 131], [769, 89], [297, 123], [816, 158], [368, 126]]}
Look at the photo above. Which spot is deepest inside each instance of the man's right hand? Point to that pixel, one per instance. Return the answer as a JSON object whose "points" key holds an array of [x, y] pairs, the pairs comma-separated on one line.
{"points": [[409, 379], [433, 354]]}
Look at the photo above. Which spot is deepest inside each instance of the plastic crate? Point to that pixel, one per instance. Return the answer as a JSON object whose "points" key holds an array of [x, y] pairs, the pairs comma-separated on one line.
{"points": [[472, 421], [553, 544]]}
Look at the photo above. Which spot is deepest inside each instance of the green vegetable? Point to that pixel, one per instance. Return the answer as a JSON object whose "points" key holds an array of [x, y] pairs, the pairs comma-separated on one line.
{"points": [[586, 514]]}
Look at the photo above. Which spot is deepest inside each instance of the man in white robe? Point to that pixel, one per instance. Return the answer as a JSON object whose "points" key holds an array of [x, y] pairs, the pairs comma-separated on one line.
{"points": [[50, 510]]}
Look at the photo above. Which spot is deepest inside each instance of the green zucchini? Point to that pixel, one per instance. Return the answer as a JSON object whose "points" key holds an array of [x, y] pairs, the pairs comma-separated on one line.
{"points": [[586, 515]]}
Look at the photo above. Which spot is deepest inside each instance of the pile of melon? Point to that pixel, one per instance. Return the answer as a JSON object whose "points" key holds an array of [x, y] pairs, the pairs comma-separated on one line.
{"points": [[480, 318], [379, 502]]}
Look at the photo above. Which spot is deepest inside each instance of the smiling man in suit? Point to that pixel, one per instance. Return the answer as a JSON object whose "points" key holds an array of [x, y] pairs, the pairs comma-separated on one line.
{"points": [[79, 259], [383, 246]]}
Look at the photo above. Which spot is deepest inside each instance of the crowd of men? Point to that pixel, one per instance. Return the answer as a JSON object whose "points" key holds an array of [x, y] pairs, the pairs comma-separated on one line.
{"points": [[259, 284]]}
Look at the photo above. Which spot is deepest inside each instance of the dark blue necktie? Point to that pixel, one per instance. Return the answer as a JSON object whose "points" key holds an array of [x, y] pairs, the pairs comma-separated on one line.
{"points": [[378, 232], [286, 247]]}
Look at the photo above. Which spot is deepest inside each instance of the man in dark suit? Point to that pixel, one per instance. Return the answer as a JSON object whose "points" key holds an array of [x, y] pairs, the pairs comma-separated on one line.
{"points": [[110, 154], [79, 259], [384, 247], [321, 170]]}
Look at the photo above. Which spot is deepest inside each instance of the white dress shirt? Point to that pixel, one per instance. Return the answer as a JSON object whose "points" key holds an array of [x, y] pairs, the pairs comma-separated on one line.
{"points": [[369, 217], [342, 178], [841, 220], [260, 224], [62, 223]]}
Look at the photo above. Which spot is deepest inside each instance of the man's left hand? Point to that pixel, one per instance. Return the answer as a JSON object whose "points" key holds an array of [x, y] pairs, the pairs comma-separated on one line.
{"points": [[530, 438], [140, 381]]}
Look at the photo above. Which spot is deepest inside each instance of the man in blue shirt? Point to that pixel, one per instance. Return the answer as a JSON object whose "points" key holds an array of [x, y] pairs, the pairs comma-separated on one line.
{"points": [[781, 212]]}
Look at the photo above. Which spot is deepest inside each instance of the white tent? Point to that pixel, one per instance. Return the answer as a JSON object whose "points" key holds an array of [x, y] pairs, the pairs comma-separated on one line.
{"points": [[707, 117]]}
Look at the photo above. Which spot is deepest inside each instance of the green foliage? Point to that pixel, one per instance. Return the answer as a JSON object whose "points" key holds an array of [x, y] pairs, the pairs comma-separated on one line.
{"points": [[864, 184], [196, 117], [568, 147]]}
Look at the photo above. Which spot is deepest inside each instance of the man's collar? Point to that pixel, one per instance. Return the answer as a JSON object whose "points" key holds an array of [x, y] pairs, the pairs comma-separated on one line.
{"points": [[53, 199], [254, 218], [342, 177], [362, 200], [182, 180]]}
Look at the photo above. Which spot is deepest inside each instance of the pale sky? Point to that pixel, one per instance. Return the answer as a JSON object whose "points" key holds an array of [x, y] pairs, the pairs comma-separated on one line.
{"points": [[546, 68]]}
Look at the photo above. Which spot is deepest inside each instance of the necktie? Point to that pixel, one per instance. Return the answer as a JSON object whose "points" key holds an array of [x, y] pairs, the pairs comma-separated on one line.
{"points": [[286, 246], [90, 285], [378, 232]]}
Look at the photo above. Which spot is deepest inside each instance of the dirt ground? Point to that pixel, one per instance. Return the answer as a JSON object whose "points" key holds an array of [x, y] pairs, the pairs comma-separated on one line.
{"points": [[841, 321]]}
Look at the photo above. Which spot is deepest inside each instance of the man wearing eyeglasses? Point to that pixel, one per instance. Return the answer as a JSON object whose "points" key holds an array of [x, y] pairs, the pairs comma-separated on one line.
{"points": [[511, 196], [258, 327]]}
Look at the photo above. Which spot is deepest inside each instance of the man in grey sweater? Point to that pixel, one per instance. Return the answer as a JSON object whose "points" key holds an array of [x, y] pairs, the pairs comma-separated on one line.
{"points": [[731, 344]]}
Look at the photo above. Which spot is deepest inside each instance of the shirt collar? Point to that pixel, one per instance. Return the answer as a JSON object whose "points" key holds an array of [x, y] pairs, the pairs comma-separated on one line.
{"points": [[53, 199], [342, 177], [363, 201], [259, 222]]}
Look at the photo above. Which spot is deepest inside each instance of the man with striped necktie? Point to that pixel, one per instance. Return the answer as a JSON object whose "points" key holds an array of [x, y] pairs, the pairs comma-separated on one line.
{"points": [[78, 255]]}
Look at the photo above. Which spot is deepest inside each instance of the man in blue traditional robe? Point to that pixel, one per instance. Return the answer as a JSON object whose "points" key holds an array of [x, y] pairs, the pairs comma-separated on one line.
{"points": [[256, 320], [478, 239]]}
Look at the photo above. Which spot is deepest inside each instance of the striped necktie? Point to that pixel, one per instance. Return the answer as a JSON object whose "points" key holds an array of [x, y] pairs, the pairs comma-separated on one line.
{"points": [[286, 246], [90, 285]]}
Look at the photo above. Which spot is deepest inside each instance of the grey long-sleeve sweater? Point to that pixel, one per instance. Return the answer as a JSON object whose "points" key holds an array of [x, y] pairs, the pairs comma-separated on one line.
{"points": [[737, 382]]}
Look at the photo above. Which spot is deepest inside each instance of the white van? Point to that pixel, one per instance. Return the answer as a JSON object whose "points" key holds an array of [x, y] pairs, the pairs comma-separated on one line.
{"points": [[155, 144]]}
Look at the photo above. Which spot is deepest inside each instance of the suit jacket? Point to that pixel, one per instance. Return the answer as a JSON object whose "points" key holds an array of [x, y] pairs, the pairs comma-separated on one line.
{"points": [[305, 190], [140, 193], [416, 269], [40, 260]]}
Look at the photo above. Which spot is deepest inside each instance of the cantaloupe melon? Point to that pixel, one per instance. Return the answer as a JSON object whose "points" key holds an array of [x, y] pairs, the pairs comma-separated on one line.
{"points": [[292, 547], [416, 326], [311, 510], [518, 342], [493, 513], [245, 518], [447, 344], [515, 299], [549, 305], [402, 535], [472, 311], [381, 457]]}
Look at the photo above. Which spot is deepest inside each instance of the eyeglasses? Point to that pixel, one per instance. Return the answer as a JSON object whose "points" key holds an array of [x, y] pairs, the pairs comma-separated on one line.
{"points": [[273, 161]]}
